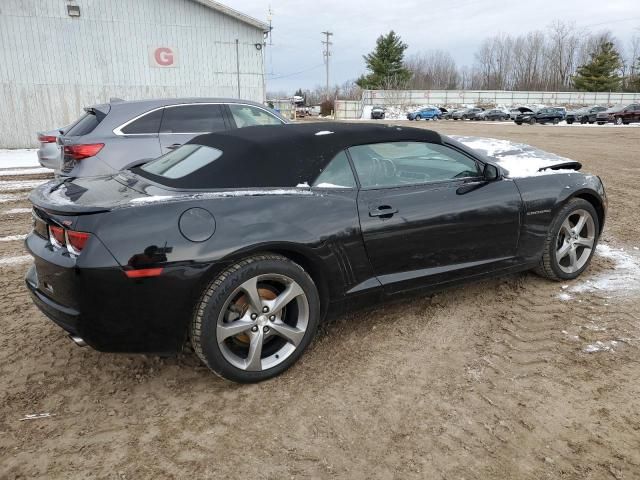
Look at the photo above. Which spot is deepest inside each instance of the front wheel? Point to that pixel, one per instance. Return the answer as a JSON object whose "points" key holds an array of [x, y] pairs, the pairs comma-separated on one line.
{"points": [[532, 121], [256, 318], [571, 241], [556, 121]]}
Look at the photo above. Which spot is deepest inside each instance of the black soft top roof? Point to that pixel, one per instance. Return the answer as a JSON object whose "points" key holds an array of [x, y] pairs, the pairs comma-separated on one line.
{"points": [[285, 155]]}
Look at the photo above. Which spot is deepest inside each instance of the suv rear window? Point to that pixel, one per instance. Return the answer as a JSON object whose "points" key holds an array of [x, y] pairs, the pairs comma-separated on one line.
{"points": [[85, 124]]}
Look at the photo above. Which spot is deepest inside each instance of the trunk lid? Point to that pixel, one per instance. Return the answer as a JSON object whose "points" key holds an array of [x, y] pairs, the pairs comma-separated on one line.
{"points": [[78, 196]]}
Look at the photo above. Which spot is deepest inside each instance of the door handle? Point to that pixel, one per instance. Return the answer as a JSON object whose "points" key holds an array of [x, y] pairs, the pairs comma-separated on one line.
{"points": [[174, 146], [383, 211]]}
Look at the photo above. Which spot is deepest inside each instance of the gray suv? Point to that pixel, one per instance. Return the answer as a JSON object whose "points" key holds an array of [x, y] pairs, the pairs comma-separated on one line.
{"points": [[121, 134]]}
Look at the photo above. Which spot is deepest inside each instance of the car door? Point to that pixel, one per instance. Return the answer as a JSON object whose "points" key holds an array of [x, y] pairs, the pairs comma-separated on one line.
{"points": [[428, 217], [180, 123]]}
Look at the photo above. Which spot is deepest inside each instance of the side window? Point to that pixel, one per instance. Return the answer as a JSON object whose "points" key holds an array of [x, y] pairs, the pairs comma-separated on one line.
{"points": [[337, 174], [192, 119], [149, 123], [248, 116], [409, 163]]}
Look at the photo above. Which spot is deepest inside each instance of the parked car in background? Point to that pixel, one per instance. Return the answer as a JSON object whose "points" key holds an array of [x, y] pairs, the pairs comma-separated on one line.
{"points": [[466, 113], [49, 150], [112, 136], [629, 114], [377, 112], [561, 110], [544, 115], [514, 112], [426, 113], [304, 227], [584, 115], [608, 115], [495, 114]]}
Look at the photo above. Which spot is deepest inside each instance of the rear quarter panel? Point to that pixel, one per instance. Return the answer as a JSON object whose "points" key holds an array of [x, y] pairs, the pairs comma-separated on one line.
{"points": [[543, 197]]}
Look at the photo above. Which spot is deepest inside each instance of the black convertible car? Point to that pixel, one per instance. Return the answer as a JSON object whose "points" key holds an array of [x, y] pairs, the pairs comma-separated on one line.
{"points": [[241, 242]]}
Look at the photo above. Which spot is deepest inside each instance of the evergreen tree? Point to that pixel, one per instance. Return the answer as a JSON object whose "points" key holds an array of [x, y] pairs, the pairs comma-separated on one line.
{"points": [[602, 72], [386, 64]]}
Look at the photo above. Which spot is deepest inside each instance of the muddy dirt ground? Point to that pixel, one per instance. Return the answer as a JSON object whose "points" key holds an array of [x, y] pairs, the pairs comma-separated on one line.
{"points": [[512, 378]]}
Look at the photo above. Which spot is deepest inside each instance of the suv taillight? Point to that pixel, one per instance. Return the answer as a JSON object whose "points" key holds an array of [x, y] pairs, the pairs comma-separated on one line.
{"points": [[78, 152], [47, 138]]}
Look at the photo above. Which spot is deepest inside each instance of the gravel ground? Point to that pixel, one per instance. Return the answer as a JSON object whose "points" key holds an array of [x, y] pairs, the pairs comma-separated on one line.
{"points": [[515, 377]]}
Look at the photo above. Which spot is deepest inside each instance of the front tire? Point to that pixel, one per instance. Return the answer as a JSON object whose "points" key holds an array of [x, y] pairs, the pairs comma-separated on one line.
{"points": [[256, 318], [532, 121], [571, 241]]}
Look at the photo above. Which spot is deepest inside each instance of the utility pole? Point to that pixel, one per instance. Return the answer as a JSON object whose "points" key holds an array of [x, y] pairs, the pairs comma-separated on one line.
{"points": [[327, 53]]}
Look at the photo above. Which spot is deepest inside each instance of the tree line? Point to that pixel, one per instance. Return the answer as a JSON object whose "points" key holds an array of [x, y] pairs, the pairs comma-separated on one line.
{"points": [[559, 58]]}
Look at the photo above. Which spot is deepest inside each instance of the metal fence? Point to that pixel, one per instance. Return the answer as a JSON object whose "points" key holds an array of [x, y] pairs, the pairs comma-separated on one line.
{"points": [[351, 109]]}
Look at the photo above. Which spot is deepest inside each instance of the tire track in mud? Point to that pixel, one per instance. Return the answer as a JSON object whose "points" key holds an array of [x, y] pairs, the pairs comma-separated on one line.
{"points": [[531, 359]]}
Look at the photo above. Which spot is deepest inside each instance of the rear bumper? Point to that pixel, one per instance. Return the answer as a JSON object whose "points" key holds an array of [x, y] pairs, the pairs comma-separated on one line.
{"points": [[65, 317], [91, 298]]}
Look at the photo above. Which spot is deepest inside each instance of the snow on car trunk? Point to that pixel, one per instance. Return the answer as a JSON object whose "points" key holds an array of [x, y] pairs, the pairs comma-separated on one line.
{"points": [[519, 159]]}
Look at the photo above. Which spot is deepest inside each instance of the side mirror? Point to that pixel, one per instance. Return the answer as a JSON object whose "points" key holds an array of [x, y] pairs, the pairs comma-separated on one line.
{"points": [[490, 172]]}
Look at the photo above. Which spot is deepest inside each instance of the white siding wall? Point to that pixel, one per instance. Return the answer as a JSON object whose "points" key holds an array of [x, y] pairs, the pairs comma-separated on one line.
{"points": [[53, 65]]}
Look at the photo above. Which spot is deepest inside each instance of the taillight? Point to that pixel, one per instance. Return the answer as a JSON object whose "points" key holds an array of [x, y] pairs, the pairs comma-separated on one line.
{"points": [[47, 138], [56, 236], [78, 152], [76, 241]]}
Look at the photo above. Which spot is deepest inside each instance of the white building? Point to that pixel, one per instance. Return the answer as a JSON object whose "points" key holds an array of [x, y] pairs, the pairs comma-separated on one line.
{"points": [[58, 56]]}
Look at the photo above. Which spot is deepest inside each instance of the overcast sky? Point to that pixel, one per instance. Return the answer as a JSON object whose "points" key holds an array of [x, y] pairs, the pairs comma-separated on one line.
{"points": [[453, 25]]}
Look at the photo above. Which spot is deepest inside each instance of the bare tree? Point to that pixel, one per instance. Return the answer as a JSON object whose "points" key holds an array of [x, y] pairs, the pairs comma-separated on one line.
{"points": [[433, 69]]}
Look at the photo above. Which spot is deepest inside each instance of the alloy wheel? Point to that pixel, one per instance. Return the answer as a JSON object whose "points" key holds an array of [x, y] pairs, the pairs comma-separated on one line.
{"points": [[575, 241], [262, 322]]}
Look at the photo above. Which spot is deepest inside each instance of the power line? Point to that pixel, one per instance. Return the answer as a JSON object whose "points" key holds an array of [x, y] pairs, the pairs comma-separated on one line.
{"points": [[327, 53], [297, 73]]}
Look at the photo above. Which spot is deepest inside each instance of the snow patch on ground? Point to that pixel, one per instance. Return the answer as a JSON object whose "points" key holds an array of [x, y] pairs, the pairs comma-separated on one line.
{"points": [[622, 279], [24, 157], [15, 211], [565, 297], [11, 197], [15, 260], [17, 185], [606, 346], [12, 238], [24, 171]]}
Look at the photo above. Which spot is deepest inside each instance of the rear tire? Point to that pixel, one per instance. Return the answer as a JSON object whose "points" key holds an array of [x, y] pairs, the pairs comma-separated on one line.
{"points": [[556, 121], [233, 334], [558, 262]]}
